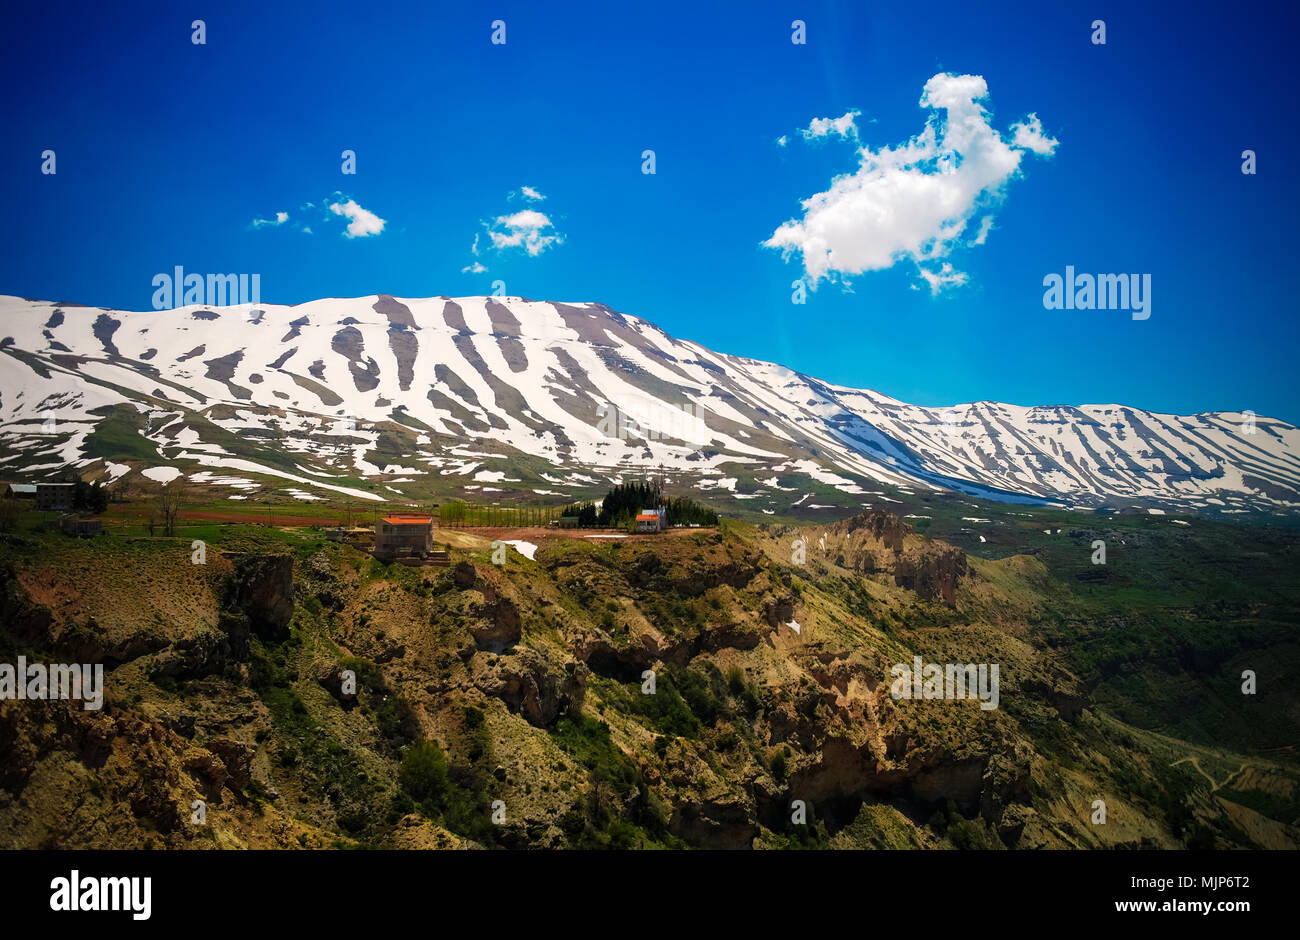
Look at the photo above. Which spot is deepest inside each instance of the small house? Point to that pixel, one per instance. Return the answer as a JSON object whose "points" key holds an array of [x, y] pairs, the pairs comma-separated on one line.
{"points": [[404, 534], [651, 520], [20, 491]]}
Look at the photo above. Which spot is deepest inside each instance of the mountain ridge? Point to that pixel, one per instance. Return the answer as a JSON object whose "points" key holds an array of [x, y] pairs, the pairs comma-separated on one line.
{"points": [[409, 381]]}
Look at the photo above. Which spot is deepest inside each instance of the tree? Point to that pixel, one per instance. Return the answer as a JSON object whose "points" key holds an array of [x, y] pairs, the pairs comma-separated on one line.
{"points": [[170, 501], [10, 509], [688, 512], [588, 515], [89, 497], [452, 512]]}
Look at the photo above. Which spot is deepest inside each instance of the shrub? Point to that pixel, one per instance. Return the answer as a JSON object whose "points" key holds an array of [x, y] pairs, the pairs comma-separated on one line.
{"points": [[423, 774], [778, 766]]}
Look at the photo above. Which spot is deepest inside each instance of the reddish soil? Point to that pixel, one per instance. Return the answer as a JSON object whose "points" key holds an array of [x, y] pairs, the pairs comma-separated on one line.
{"points": [[247, 517]]}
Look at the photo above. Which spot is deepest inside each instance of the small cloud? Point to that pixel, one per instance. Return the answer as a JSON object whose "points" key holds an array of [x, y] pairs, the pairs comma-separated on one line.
{"points": [[527, 229], [986, 226], [1029, 136], [280, 219], [361, 222], [842, 126], [782, 140], [943, 278]]}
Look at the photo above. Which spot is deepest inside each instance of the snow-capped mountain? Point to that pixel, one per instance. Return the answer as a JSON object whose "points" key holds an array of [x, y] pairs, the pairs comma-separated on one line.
{"points": [[551, 396]]}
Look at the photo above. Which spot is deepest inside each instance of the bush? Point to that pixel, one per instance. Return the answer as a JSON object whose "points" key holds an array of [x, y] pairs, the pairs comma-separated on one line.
{"points": [[778, 766], [423, 774], [667, 711]]}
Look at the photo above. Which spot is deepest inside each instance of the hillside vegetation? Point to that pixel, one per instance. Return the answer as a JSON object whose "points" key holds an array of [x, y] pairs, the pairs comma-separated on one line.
{"points": [[509, 706]]}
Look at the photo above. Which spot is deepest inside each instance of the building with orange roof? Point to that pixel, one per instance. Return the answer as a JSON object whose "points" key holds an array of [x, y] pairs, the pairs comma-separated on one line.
{"points": [[404, 533]]}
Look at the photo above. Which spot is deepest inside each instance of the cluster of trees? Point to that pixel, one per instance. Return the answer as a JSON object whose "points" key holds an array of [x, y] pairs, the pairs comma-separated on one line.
{"points": [[623, 502], [588, 514], [458, 513], [685, 511], [620, 507], [89, 497]]}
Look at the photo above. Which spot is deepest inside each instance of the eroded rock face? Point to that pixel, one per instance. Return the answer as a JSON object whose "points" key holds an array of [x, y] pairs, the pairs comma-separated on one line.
{"points": [[499, 626], [238, 759], [205, 653], [724, 823], [695, 581], [932, 574], [256, 597], [22, 618], [261, 586], [882, 527], [464, 575], [622, 661], [810, 720], [331, 680], [960, 782], [778, 611], [530, 684], [878, 542], [843, 769], [740, 636], [318, 578], [209, 771]]}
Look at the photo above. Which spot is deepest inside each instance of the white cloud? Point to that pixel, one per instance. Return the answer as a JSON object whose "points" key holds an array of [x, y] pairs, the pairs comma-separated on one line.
{"points": [[527, 229], [280, 219], [842, 126], [361, 222], [1029, 136], [782, 140], [914, 201], [943, 278], [986, 226]]}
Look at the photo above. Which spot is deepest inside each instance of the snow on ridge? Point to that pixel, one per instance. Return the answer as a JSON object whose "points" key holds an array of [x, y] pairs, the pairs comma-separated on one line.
{"points": [[1086, 454]]}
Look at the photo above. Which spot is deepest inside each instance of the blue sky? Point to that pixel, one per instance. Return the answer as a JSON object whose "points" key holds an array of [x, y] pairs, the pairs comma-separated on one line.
{"points": [[167, 151]]}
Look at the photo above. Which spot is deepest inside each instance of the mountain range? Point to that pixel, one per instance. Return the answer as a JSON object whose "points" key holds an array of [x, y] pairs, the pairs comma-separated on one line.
{"points": [[509, 395]]}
